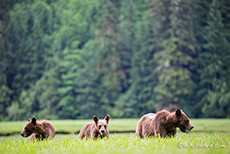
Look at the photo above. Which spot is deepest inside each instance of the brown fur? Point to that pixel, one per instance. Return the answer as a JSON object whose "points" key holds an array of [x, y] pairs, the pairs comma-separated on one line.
{"points": [[163, 123], [40, 130], [96, 128], [144, 126]]}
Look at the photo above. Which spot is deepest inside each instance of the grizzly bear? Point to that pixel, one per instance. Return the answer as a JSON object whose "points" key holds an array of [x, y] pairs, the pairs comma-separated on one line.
{"points": [[96, 128], [163, 123], [38, 130]]}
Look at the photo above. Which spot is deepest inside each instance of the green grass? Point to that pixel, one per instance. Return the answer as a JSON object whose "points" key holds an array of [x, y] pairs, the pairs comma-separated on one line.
{"points": [[73, 126], [209, 136], [212, 143]]}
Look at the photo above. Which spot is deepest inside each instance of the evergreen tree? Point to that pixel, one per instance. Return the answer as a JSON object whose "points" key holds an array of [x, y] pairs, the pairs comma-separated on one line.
{"points": [[110, 67], [138, 99], [45, 73], [175, 49], [127, 17], [28, 30], [88, 94], [214, 71], [5, 55]]}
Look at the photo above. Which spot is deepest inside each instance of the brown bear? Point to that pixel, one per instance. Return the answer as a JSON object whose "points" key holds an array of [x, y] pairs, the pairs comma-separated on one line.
{"points": [[96, 128], [38, 130], [163, 123]]}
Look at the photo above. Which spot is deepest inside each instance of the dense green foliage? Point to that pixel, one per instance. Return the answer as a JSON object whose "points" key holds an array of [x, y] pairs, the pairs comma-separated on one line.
{"points": [[218, 143], [77, 58]]}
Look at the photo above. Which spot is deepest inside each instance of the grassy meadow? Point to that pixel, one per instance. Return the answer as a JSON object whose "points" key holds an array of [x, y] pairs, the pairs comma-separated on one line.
{"points": [[115, 125], [208, 136]]}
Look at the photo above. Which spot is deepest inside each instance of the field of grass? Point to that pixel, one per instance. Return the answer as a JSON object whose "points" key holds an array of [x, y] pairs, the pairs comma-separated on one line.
{"points": [[70, 126], [209, 136], [116, 125], [194, 143]]}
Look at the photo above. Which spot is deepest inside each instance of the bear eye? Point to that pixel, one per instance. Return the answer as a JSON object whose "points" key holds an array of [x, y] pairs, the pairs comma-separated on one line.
{"points": [[25, 128], [105, 126]]}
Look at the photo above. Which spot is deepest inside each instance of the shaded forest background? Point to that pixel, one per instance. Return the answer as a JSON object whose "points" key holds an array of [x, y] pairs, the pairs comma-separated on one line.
{"points": [[71, 59]]}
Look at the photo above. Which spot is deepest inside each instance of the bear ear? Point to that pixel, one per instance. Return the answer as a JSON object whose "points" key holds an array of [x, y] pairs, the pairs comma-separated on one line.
{"points": [[29, 119], [95, 118], [178, 112], [34, 119], [107, 118]]}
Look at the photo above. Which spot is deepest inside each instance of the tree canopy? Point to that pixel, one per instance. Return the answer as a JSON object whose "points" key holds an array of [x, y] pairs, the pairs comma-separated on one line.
{"points": [[78, 58]]}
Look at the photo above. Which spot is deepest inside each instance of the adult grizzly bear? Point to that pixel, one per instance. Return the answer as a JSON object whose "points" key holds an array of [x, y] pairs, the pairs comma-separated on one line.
{"points": [[163, 123], [96, 128], [38, 129]]}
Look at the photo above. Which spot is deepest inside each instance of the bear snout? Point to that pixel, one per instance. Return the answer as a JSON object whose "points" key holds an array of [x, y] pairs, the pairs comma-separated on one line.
{"points": [[191, 127], [22, 134], [102, 131]]}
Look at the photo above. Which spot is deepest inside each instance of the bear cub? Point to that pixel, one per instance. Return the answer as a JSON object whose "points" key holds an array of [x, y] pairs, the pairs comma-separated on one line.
{"points": [[98, 128], [163, 123], [38, 129]]}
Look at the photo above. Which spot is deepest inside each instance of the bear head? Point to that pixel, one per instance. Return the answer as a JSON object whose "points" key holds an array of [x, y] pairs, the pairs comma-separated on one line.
{"points": [[183, 121], [102, 125], [29, 128]]}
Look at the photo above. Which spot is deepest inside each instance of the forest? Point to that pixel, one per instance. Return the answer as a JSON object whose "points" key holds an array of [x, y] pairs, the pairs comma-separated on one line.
{"points": [[72, 59]]}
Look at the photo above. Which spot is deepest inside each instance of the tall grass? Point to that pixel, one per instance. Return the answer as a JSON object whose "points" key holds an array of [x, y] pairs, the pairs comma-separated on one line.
{"points": [[73, 126], [70, 126], [209, 136], [121, 143]]}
